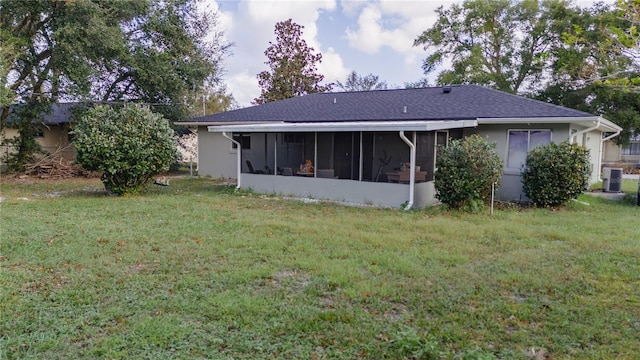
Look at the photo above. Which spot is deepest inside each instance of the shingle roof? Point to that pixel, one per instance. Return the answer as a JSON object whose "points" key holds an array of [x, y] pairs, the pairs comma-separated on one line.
{"points": [[464, 102], [60, 113]]}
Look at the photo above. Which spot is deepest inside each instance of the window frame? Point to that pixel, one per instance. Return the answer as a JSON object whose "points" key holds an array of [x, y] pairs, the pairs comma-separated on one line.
{"points": [[631, 149], [518, 170]]}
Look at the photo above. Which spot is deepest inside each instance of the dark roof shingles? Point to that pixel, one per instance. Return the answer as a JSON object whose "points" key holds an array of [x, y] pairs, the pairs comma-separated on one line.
{"points": [[462, 103]]}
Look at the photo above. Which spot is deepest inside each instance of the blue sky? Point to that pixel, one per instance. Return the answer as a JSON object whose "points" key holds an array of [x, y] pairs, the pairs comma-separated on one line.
{"points": [[373, 36]]}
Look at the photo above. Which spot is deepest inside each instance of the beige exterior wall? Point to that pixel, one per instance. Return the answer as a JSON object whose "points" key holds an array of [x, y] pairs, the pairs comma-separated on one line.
{"points": [[55, 140], [613, 154]]}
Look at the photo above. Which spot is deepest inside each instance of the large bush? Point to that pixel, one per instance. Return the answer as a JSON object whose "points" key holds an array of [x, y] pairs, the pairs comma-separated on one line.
{"points": [[466, 170], [129, 144], [556, 173]]}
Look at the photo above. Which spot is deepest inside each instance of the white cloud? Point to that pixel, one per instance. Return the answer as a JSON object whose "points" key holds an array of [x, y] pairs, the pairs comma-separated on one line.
{"points": [[351, 7], [393, 24], [332, 66], [244, 87]]}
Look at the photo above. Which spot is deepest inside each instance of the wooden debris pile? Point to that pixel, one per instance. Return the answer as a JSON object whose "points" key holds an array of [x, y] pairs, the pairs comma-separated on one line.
{"points": [[57, 169]]}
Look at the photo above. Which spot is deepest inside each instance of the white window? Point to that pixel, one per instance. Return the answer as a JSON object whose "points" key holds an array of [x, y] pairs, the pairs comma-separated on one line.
{"points": [[631, 149], [521, 142]]}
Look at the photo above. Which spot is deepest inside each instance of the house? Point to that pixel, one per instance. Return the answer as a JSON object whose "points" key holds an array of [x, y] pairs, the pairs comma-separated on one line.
{"points": [[629, 154], [52, 131], [380, 147]]}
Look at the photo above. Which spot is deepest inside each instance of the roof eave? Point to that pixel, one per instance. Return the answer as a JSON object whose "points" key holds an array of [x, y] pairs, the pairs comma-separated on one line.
{"points": [[215, 123], [347, 126], [603, 124]]}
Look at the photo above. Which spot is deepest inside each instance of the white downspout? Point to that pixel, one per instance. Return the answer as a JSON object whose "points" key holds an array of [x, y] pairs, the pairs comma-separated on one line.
{"points": [[239, 157], [571, 136], [412, 169]]}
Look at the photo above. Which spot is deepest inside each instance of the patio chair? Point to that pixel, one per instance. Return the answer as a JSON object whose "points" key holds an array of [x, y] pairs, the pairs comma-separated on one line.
{"points": [[287, 171], [251, 169]]}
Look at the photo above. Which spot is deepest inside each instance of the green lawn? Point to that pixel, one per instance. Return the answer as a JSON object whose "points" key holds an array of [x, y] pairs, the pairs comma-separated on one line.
{"points": [[194, 270]]}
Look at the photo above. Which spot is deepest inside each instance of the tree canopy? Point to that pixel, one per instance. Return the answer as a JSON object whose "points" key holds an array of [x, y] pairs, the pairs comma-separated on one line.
{"points": [[584, 58], [292, 66], [104, 50], [504, 44], [355, 82]]}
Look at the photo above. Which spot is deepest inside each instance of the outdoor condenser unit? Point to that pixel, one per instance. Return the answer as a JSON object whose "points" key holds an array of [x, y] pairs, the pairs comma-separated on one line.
{"points": [[611, 179]]}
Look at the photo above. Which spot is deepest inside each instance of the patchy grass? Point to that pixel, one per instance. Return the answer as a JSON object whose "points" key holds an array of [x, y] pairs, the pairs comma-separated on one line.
{"points": [[196, 270]]}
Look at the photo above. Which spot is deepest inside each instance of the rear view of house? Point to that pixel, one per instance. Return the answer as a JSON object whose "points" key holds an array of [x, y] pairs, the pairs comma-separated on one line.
{"points": [[380, 147]]}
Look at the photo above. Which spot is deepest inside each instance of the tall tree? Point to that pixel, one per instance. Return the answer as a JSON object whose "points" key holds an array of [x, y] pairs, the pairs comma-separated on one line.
{"points": [[355, 82], [152, 51], [612, 102], [292, 66], [628, 36], [597, 68], [504, 44], [597, 48]]}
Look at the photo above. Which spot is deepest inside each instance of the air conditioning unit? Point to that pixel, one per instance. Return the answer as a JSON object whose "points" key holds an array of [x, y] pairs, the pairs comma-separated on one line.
{"points": [[612, 179]]}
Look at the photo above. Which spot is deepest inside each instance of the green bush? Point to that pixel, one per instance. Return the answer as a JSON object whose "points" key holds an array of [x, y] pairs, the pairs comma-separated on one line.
{"points": [[129, 144], [466, 170], [556, 173]]}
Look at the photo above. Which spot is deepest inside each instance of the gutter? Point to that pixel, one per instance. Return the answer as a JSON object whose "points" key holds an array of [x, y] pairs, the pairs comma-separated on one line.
{"points": [[412, 169], [571, 136], [239, 157]]}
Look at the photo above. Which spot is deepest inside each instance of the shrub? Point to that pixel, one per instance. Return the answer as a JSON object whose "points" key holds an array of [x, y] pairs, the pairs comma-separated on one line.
{"points": [[466, 170], [129, 144], [556, 173]]}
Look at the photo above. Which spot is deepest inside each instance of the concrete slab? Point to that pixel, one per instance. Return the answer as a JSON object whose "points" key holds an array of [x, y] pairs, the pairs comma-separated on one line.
{"points": [[607, 195]]}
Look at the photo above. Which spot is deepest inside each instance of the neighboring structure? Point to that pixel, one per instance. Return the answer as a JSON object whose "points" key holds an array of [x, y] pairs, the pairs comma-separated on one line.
{"points": [[53, 132], [361, 143], [629, 154]]}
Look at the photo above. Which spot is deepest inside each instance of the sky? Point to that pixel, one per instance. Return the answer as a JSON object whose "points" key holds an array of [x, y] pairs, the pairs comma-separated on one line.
{"points": [[366, 36]]}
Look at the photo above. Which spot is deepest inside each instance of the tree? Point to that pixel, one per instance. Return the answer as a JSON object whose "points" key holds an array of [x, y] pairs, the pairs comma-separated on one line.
{"points": [[596, 68], [574, 57], [355, 82], [611, 37], [211, 99], [503, 44], [467, 168], [108, 51], [129, 144], [556, 173], [613, 103], [420, 83], [292, 66]]}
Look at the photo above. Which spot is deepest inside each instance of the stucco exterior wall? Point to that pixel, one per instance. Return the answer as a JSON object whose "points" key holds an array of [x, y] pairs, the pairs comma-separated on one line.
{"points": [[593, 142], [390, 195], [54, 139], [215, 156], [613, 154], [510, 184]]}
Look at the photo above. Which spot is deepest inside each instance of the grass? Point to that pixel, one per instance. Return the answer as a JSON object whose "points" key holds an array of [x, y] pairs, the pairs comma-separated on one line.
{"points": [[196, 270]]}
